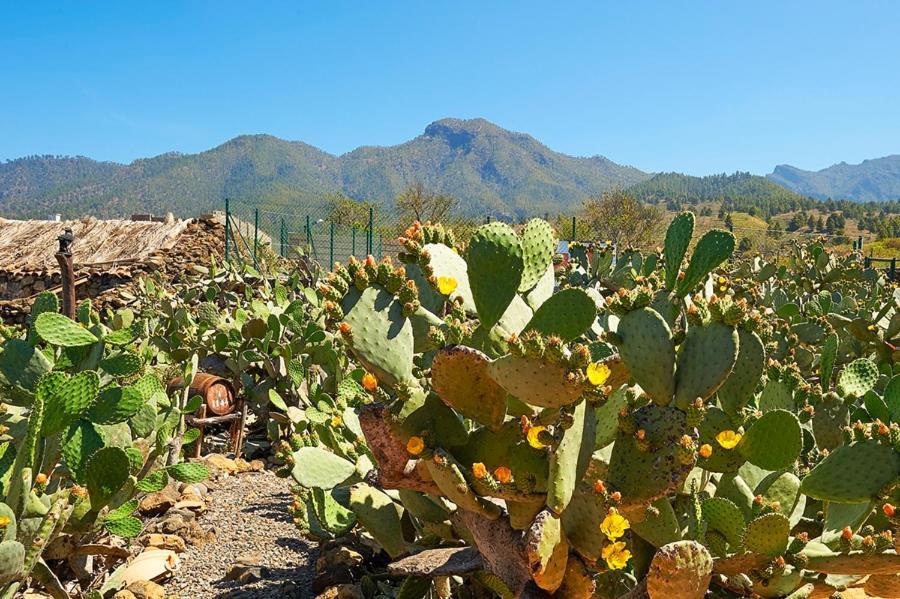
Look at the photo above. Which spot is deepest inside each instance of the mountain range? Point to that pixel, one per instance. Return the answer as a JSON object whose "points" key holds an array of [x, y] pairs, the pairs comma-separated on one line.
{"points": [[492, 171], [873, 180]]}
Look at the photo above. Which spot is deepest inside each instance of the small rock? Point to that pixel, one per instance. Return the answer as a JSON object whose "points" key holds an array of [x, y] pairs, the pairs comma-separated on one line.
{"points": [[164, 541], [221, 463], [245, 569], [157, 503], [190, 505], [337, 557], [124, 594], [144, 589], [342, 591]]}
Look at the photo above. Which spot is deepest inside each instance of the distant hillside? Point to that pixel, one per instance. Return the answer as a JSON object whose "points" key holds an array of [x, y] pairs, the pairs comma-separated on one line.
{"points": [[872, 180], [491, 170], [736, 188]]}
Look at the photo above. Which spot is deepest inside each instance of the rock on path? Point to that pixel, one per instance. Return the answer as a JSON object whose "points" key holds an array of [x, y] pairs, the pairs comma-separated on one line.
{"points": [[249, 515]]}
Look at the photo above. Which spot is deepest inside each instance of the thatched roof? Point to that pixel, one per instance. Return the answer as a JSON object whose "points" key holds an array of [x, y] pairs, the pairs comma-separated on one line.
{"points": [[30, 244]]}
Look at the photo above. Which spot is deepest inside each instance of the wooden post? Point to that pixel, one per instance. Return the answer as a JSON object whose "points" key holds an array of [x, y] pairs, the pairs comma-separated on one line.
{"points": [[67, 272]]}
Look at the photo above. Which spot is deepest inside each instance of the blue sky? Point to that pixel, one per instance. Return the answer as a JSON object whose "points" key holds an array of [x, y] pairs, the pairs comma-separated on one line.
{"points": [[697, 87]]}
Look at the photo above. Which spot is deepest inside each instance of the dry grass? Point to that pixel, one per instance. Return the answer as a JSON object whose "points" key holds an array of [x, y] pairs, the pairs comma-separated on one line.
{"points": [[31, 244]]}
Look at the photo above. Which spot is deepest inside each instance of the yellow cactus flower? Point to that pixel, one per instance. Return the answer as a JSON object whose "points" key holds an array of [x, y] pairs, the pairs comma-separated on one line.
{"points": [[597, 373], [614, 525], [446, 285], [4, 521], [534, 438], [722, 280], [503, 475], [336, 421], [479, 470], [705, 450], [415, 445], [616, 555], [728, 439], [369, 382]]}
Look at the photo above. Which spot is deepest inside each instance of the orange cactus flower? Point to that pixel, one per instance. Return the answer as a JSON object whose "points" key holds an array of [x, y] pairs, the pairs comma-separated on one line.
{"points": [[503, 475], [415, 445], [40, 479], [479, 470], [847, 533], [705, 450], [599, 487], [369, 382], [888, 510]]}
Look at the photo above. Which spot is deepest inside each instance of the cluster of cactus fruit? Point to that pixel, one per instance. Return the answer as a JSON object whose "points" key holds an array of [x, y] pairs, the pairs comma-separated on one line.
{"points": [[657, 425], [86, 426]]}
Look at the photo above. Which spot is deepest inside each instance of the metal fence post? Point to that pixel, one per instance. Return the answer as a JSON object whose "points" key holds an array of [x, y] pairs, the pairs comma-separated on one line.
{"points": [[380, 245], [370, 237], [281, 236], [227, 228], [331, 245], [860, 244], [573, 229], [893, 267], [308, 236], [255, 234], [353, 240]]}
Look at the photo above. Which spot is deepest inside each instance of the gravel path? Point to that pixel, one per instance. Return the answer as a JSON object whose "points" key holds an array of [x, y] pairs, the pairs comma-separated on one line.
{"points": [[249, 515]]}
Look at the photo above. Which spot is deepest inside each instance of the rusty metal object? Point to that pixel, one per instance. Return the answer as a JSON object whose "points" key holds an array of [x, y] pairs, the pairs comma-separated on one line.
{"points": [[217, 393], [67, 272]]}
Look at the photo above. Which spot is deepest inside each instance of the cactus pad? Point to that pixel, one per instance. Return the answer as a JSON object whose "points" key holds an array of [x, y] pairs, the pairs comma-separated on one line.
{"points": [[774, 441], [460, 378], [22, 364], [724, 517], [56, 329], [382, 336], [80, 441], [768, 535], [830, 417], [776, 395], [568, 313], [12, 561], [738, 388], [644, 476], [564, 459], [538, 245], [495, 265], [449, 478], [713, 248], [678, 237], [315, 467], [680, 570], [705, 360], [447, 263], [826, 361], [116, 404], [853, 473], [536, 381], [857, 378], [649, 352], [380, 516], [546, 551], [106, 472]]}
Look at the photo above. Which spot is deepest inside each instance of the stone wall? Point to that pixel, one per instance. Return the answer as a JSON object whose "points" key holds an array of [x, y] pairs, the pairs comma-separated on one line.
{"points": [[109, 285]]}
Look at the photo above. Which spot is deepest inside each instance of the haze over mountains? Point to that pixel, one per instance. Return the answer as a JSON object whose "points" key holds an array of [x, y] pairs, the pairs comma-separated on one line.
{"points": [[491, 170]]}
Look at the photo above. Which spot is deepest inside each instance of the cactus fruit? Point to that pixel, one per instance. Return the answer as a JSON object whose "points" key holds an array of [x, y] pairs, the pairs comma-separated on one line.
{"points": [[680, 570]]}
